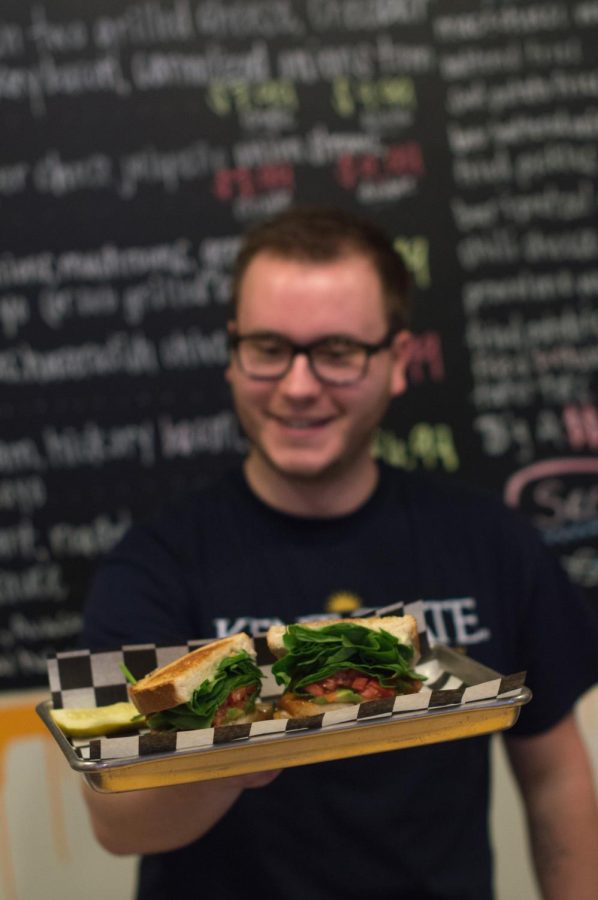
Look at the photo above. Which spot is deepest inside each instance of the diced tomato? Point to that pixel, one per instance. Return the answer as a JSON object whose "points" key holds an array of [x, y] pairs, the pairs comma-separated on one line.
{"points": [[370, 692], [359, 683], [369, 688], [239, 695], [374, 690], [237, 698], [316, 689]]}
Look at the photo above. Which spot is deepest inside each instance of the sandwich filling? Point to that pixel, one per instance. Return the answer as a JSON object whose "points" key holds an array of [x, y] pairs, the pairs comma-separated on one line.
{"points": [[230, 694], [345, 663]]}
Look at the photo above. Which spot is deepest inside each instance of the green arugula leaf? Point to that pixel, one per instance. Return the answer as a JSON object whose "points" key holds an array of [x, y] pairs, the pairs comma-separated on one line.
{"points": [[127, 673]]}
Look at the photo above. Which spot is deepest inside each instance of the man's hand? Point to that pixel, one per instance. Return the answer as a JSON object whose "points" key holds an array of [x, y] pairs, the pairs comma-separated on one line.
{"points": [[556, 782], [162, 819]]}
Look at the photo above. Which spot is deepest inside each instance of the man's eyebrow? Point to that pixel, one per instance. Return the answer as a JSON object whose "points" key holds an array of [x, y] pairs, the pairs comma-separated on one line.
{"points": [[334, 336], [263, 334]]}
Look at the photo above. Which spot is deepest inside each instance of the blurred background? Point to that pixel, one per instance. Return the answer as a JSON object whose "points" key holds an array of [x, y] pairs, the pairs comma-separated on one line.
{"points": [[138, 141]]}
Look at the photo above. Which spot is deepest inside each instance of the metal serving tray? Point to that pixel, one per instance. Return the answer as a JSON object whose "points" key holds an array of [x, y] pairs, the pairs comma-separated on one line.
{"points": [[461, 699]]}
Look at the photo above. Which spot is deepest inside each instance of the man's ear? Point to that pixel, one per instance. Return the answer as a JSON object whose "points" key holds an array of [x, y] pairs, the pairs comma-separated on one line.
{"points": [[400, 350]]}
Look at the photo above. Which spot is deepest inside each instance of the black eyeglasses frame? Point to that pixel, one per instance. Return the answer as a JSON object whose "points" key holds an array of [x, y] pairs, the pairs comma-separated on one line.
{"points": [[370, 349]]}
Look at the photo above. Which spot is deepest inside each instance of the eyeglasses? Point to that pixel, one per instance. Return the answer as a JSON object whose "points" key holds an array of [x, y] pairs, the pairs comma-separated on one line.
{"points": [[335, 360]]}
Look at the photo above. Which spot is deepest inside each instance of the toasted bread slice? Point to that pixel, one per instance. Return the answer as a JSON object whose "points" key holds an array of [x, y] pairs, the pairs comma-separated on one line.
{"points": [[175, 682], [404, 628]]}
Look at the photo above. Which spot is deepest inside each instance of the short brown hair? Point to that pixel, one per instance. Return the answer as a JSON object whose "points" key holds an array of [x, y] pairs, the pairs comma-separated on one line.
{"points": [[323, 234]]}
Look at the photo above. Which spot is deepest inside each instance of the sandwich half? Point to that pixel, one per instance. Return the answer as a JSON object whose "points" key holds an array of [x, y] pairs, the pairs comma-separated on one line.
{"points": [[331, 664], [217, 684]]}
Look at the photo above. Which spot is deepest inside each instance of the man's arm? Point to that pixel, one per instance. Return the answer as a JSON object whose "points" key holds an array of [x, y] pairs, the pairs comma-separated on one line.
{"points": [[555, 778], [162, 819]]}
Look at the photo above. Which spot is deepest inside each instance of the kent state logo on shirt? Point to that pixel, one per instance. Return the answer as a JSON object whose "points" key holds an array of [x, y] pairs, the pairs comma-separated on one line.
{"points": [[453, 621]]}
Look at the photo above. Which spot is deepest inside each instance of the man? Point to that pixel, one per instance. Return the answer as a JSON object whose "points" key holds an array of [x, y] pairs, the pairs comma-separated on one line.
{"points": [[319, 348]]}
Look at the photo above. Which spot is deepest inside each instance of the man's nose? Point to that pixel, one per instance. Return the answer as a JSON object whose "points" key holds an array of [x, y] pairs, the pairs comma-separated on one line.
{"points": [[300, 380]]}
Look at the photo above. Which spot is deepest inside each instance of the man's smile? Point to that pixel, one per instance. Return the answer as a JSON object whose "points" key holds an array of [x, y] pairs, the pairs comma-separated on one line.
{"points": [[300, 423]]}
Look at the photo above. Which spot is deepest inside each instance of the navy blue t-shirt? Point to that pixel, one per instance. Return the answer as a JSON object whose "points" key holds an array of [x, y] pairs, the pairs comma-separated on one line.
{"points": [[411, 823]]}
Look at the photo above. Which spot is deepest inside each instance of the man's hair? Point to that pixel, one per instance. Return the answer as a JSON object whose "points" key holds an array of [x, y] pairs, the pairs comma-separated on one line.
{"points": [[322, 234]]}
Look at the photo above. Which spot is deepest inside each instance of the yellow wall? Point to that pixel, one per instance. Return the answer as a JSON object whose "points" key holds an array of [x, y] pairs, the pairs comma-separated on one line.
{"points": [[47, 850]]}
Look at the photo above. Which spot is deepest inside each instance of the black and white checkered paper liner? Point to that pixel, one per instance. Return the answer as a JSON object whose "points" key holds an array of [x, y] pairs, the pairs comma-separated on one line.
{"points": [[85, 679]]}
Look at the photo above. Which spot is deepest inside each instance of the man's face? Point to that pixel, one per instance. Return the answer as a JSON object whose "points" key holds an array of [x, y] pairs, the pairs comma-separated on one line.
{"points": [[299, 427]]}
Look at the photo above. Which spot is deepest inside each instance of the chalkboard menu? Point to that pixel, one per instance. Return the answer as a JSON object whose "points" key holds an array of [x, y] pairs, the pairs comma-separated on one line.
{"points": [[139, 139]]}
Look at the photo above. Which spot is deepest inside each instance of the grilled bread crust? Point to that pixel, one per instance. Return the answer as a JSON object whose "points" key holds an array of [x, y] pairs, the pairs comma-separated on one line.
{"points": [[296, 707], [174, 683], [404, 628]]}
